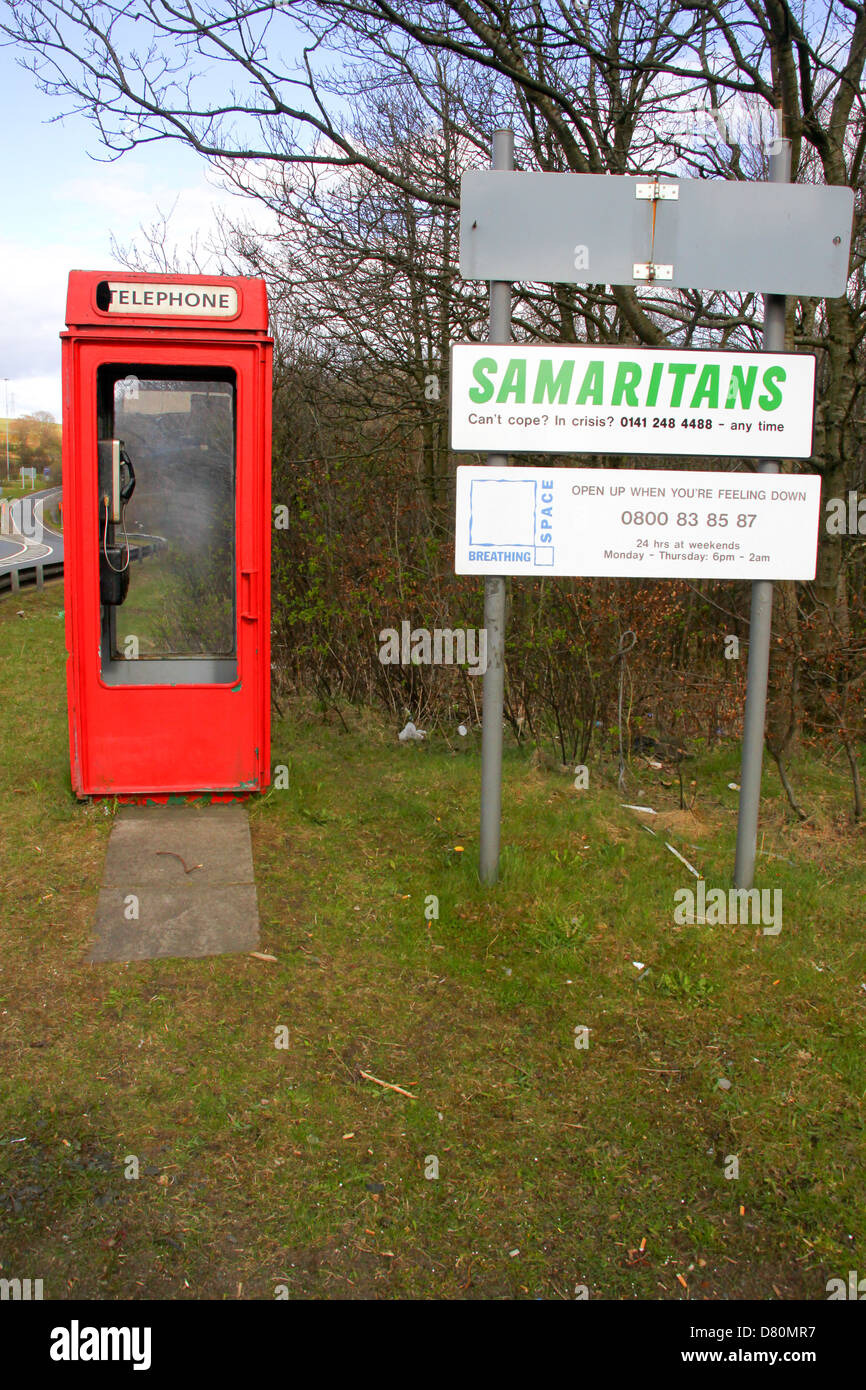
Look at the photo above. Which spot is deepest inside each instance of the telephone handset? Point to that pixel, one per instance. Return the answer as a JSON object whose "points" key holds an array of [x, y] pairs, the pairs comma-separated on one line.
{"points": [[125, 484], [116, 486]]}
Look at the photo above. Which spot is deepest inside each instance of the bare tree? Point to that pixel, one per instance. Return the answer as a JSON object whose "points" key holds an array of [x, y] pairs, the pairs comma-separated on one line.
{"points": [[354, 119]]}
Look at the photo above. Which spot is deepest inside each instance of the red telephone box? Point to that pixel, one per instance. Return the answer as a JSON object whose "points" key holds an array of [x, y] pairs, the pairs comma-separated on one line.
{"points": [[166, 513]]}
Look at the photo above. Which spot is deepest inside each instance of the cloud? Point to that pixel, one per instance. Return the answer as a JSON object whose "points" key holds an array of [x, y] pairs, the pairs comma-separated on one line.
{"points": [[85, 212], [32, 393], [120, 199], [32, 303]]}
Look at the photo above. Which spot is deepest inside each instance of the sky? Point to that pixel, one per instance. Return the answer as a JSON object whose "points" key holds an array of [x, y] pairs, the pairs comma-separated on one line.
{"points": [[62, 204], [59, 209]]}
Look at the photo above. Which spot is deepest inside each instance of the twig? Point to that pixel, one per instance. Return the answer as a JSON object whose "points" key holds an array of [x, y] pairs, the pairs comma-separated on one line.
{"points": [[387, 1084], [332, 1049], [177, 856], [783, 778], [771, 855]]}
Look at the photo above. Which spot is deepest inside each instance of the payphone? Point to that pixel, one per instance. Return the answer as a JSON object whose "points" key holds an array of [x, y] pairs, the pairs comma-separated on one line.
{"points": [[116, 486], [166, 473]]}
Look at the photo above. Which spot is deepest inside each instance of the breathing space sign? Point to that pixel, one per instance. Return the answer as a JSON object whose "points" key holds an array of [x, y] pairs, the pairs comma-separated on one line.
{"points": [[593, 400], [633, 523]]}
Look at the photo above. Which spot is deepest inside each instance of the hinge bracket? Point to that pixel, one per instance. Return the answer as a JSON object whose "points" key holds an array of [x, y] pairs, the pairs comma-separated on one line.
{"points": [[647, 270], [654, 191]]}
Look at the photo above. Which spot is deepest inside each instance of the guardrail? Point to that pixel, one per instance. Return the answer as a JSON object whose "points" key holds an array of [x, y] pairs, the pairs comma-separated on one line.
{"points": [[36, 575], [29, 576]]}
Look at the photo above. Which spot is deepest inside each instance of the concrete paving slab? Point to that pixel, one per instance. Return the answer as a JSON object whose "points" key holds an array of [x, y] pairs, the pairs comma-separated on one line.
{"points": [[178, 881]]}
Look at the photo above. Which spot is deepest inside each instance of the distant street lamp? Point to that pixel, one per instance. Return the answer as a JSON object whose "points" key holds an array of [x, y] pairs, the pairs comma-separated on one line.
{"points": [[6, 379]]}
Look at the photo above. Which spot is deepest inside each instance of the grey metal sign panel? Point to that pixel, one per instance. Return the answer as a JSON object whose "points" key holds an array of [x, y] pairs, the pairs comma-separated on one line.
{"points": [[609, 228]]}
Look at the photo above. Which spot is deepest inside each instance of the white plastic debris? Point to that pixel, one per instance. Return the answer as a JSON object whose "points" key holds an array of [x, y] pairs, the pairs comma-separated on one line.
{"points": [[410, 734], [733, 786], [639, 965], [462, 730], [691, 868]]}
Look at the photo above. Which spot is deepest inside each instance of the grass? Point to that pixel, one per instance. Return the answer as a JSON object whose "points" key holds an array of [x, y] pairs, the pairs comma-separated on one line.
{"points": [[14, 489], [263, 1166]]}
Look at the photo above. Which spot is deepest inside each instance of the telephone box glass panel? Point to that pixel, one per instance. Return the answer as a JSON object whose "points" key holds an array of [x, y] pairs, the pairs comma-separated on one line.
{"points": [[167, 482]]}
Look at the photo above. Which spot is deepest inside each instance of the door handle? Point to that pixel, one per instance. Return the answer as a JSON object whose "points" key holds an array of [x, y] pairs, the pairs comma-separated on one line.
{"points": [[248, 606]]}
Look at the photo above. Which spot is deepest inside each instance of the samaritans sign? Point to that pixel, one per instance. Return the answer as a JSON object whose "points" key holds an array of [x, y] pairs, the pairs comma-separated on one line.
{"points": [[592, 400]]}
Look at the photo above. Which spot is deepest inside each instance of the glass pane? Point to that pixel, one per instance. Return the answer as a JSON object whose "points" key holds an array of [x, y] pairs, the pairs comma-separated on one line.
{"points": [[178, 431]]}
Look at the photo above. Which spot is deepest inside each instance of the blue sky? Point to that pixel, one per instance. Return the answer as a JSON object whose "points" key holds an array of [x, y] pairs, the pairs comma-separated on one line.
{"points": [[59, 210]]}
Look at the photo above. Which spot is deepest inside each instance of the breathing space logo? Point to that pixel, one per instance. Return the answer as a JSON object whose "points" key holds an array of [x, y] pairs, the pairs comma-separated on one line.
{"points": [[76, 1343]]}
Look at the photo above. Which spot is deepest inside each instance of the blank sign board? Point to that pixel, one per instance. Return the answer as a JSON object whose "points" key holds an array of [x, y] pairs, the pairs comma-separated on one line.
{"points": [[711, 234]]}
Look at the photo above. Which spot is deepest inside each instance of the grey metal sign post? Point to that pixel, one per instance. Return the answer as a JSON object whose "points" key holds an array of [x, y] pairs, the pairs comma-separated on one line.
{"points": [[760, 627], [494, 602]]}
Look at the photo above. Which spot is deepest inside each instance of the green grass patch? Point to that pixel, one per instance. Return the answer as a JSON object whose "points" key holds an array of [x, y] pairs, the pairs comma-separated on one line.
{"points": [[261, 1165]]}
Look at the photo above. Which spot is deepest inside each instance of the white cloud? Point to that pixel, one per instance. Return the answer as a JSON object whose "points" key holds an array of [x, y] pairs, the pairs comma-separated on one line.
{"points": [[32, 302], [32, 393], [86, 211], [119, 199]]}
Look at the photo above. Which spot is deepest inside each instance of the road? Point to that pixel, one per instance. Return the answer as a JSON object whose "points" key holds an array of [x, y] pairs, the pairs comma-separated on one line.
{"points": [[20, 550], [17, 548]]}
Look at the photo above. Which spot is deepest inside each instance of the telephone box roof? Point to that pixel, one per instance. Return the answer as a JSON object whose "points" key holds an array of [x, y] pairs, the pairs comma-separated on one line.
{"points": [[125, 298]]}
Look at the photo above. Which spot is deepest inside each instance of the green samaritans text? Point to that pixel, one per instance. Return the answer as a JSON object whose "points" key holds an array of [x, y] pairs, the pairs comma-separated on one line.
{"points": [[663, 386]]}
